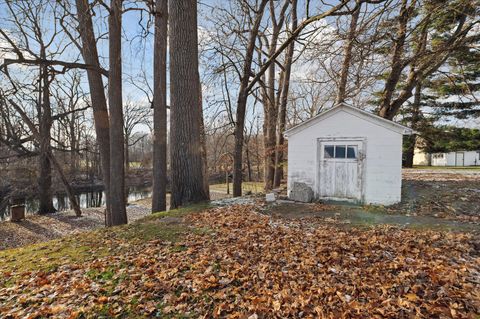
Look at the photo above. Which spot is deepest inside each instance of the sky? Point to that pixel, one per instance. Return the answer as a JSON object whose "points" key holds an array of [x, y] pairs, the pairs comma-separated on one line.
{"points": [[138, 45]]}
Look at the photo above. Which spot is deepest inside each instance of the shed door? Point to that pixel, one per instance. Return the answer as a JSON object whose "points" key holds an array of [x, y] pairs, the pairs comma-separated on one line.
{"points": [[340, 171], [460, 159]]}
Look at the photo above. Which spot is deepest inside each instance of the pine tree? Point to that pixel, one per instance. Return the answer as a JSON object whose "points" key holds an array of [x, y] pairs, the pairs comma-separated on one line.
{"points": [[455, 90]]}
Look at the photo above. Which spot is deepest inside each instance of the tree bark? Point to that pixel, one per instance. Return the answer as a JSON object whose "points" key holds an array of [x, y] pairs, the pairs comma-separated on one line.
{"points": [[249, 163], [127, 154], [159, 190], [410, 152], [73, 146], [396, 61], [185, 124], [97, 94], [45, 194], [342, 87], [203, 141], [117, 168]]}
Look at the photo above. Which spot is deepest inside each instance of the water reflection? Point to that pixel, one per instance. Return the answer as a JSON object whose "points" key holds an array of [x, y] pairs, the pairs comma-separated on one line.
{"points": [[85, 199]]}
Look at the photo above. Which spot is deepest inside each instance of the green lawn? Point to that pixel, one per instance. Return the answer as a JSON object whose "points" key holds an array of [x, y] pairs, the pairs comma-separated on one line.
{"points": [[475, 168], [254, 187], [47, 256]]}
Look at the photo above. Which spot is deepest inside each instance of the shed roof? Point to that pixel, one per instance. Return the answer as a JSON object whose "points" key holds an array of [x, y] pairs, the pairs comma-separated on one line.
{"points": [[393, 126]]}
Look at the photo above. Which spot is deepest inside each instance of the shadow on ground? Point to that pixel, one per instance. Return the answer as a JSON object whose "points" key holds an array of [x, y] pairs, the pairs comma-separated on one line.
{"points": [[363, 216]]}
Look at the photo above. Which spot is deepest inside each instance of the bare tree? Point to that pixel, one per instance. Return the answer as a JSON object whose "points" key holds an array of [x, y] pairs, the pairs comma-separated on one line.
{"points": [[134, 114], [51, 158], [71, 102], [270, 100], [97, 93], [349, 43], [118, 213], [185, 114], [284, 93], [247, 84], [38, 48], [159, 191], [243, 92]]}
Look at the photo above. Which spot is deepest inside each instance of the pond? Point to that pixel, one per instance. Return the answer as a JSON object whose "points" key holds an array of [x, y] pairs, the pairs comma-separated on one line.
{"points": [[86, 199]]}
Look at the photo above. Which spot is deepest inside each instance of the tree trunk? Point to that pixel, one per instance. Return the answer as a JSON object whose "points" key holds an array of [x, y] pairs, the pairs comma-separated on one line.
{"points": [[410, 152], [71, 195], [45, 195], [342, 87], [159, 191], [73, 146], [242, 103], [279, 149], [118, 214], [186, 151], [227, 181], [396, 63], [203, 141], [249, 163], [97, 94], [237, 153], [270, 117], [127, 154], [271, 104]]}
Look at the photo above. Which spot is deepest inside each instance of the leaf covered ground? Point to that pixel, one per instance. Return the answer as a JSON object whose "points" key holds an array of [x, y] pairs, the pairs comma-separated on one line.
{"points": [[441, 192], [235, 262]]}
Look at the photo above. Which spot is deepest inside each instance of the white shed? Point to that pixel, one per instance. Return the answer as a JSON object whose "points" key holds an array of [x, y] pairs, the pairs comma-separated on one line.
{"points": [[459, 158], [346, 153]]}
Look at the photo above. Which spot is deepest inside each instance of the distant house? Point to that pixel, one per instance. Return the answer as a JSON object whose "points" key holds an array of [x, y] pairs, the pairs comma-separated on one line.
{"points": [[459, 158], [346, 153], [420, 158]]}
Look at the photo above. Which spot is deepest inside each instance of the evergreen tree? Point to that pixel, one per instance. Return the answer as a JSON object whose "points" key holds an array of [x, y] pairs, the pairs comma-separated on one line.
{"points": [[455, 90], [447, 138]]}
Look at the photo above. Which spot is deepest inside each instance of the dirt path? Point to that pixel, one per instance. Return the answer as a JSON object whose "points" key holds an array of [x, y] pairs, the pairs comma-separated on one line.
{"points": [[38, 228]]}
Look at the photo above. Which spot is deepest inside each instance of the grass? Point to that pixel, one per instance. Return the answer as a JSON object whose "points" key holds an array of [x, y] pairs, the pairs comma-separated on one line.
{"points": [[448, 167], [16, 265], [48, 256], [254, 187], [179, 212], [135, 165]]}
